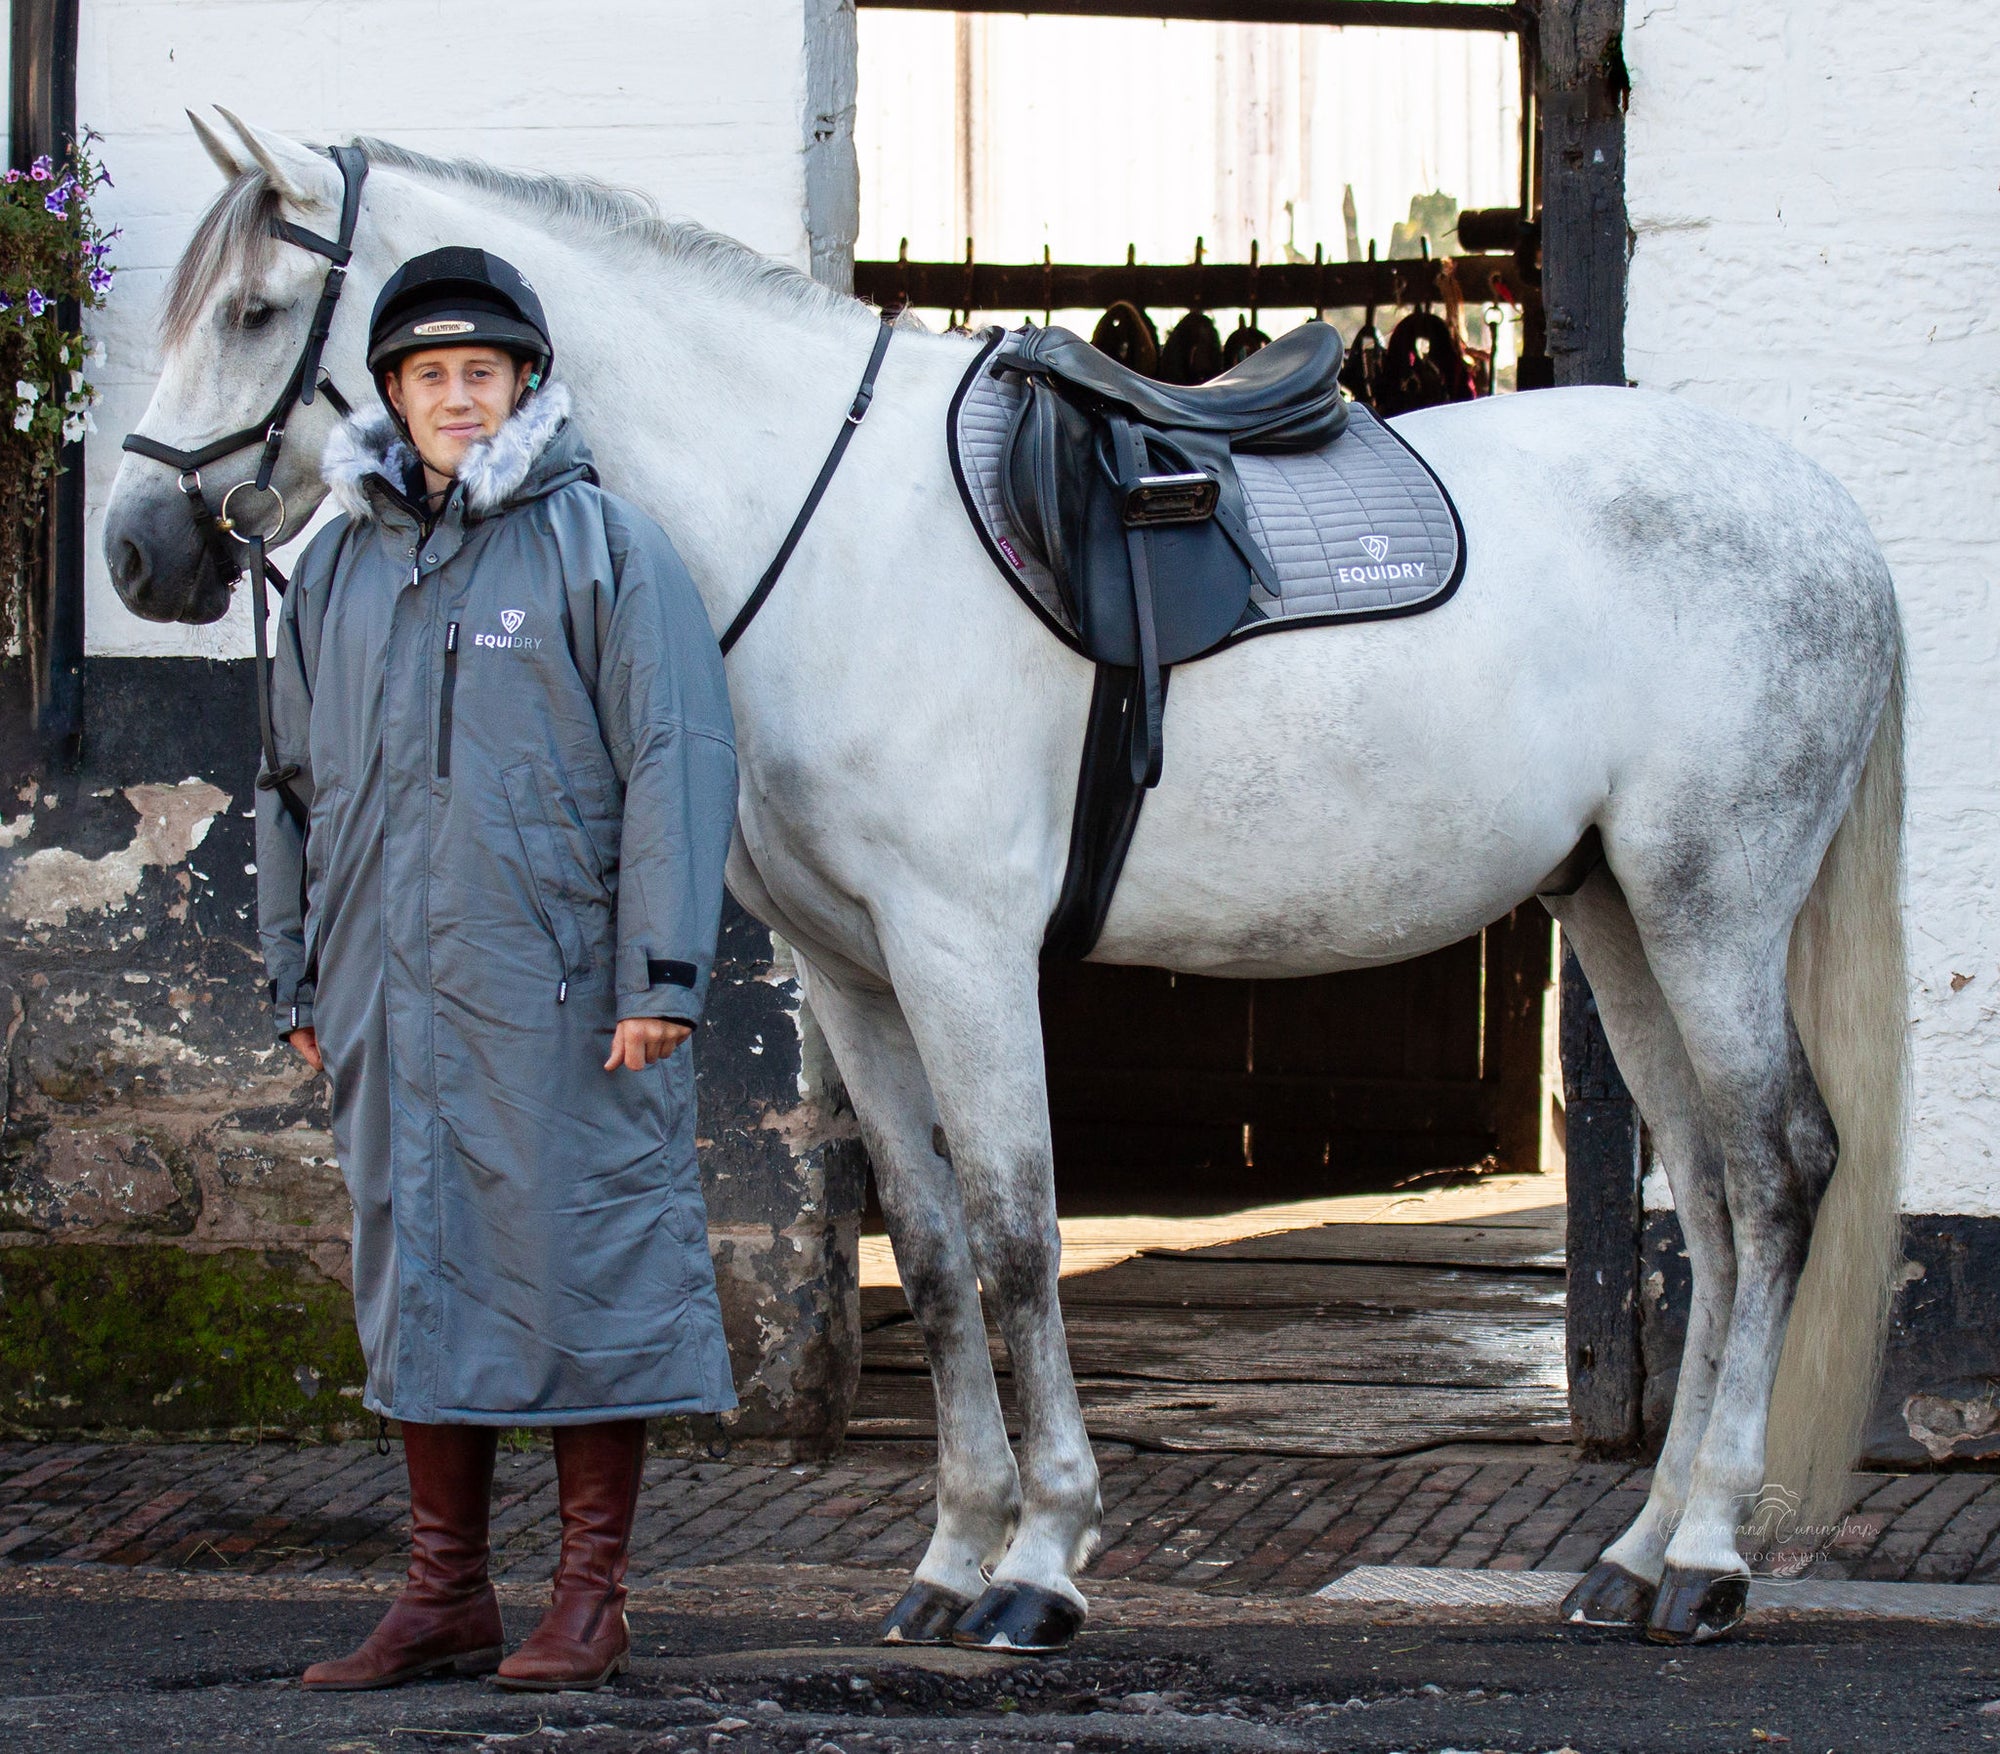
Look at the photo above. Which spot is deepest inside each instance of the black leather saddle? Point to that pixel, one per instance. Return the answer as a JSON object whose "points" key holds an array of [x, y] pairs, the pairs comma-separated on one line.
{"points": [[1126, 489]]}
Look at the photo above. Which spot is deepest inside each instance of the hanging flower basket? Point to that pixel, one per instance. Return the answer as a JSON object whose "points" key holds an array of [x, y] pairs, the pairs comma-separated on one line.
{"points": [[54, 265]]}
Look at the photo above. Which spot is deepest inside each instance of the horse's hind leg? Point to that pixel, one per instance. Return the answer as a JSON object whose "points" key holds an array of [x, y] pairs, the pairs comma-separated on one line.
{"points": [[1779, 1147], [978, 1491], [1598, 926]]}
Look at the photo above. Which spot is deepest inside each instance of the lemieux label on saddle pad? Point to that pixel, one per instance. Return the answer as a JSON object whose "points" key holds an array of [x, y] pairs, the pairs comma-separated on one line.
{"points": [[1357, 531]]}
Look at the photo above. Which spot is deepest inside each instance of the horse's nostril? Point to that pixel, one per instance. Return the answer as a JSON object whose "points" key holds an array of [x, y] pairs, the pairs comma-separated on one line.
{"points": [[128, 567]]}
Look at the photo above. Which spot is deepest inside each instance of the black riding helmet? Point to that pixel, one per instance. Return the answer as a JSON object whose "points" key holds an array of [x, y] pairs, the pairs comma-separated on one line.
{"points": [[457, 297]]}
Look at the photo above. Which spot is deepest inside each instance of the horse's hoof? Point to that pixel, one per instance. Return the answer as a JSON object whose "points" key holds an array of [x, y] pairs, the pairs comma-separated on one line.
{"points": [[1694, 1606], [1609, 1595], [925, 1615], [1018, 1616]]}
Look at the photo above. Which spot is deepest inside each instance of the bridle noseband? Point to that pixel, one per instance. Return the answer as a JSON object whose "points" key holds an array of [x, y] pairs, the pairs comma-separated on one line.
{"points": [[232, 550]]}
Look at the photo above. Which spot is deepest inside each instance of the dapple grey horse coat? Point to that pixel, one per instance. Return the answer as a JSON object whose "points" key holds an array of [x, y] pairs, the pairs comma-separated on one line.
{"points": [[515, 738]]}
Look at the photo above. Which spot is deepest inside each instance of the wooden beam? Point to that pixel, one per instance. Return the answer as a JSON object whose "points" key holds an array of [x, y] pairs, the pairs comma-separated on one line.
{"points": [[42, 119], [1390, 14], [1602, 1128], [1215, 286], [1584, 240]]}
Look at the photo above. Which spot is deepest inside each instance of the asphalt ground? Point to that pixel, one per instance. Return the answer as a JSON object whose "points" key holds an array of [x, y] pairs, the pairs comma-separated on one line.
{"points": [[779, 1658]]}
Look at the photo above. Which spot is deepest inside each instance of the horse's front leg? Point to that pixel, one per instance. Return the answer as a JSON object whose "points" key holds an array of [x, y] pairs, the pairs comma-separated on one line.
{"points": [[978, 1491], [974, 1008]]}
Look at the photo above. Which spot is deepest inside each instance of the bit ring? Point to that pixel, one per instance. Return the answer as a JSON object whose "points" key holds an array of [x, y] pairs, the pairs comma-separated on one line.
{"points": [[225, 522]]}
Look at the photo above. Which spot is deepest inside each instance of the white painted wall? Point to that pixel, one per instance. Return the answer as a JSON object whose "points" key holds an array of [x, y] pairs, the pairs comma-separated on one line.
{"points": [[1812, 190], [704, 106]]}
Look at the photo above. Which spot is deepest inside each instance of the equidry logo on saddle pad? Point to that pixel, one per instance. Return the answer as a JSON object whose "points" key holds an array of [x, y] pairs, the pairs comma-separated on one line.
{"points": [[510, 620], [1384, 569]]}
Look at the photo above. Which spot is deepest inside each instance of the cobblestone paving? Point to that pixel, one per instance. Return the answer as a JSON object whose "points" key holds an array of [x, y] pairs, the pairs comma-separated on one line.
{"points": [[1225, 1524]]}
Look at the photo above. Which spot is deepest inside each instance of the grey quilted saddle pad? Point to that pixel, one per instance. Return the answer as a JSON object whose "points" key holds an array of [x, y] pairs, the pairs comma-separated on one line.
{"points": [[1358, 531]]}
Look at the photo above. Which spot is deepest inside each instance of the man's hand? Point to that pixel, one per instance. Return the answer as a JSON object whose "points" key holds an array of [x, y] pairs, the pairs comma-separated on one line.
{"points": [[639, 1041], [305, 1043]]}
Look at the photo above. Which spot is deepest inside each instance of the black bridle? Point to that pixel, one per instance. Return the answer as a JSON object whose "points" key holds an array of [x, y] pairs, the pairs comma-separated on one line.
{"points": [[233, 551]]}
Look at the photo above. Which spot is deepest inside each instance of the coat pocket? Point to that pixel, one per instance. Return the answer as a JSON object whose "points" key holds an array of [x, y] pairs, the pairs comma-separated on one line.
{"points": [[323, 832], [561, 883], [447, 690]]}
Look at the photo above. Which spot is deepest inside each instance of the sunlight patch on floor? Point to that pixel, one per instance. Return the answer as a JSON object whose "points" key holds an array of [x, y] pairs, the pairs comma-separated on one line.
{"points": [[1093, 1243]]}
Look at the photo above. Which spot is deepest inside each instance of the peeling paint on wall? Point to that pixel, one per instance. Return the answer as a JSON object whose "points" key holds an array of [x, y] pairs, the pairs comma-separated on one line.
{"points": [[46, 886]]}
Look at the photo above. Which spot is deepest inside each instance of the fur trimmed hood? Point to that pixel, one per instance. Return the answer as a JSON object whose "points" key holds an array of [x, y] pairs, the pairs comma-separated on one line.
{"points": [[495, 470]]}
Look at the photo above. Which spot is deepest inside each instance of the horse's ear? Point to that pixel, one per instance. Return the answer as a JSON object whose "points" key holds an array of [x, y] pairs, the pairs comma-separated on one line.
{"points": [[212, 143], [301, 176]]}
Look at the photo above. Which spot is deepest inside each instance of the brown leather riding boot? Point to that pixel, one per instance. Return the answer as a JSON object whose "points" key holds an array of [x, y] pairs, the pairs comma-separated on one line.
{"points": [[447, 1616], [583, 1639]]}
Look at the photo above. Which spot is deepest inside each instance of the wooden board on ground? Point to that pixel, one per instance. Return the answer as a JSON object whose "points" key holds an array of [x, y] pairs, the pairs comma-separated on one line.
{"points": [[1301, 1419], [1489, 1349], [1428, 1245], [1344, 1339]]}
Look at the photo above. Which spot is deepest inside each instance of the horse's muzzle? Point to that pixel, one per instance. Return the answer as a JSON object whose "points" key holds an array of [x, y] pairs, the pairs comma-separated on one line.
{"points": [[159, 565]]}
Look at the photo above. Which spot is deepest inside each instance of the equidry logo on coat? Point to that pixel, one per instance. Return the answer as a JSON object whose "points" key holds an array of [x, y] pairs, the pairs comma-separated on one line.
{"points": [[1377, 547], [512, 636]]}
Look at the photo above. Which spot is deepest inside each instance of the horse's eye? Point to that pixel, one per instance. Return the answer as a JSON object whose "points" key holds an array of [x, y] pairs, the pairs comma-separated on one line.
{"points": [[253, 316]]}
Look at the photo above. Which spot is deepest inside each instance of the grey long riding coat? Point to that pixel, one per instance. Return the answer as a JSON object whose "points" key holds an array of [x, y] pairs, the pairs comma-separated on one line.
{"points": [[514, 739]]}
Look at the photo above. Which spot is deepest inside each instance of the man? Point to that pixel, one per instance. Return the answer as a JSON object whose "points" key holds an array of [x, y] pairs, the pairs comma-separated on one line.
{"points": [[489, 886]]}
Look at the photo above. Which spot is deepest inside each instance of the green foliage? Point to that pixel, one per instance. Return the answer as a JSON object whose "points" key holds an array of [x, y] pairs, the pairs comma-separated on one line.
{"points": [[53, 267]]}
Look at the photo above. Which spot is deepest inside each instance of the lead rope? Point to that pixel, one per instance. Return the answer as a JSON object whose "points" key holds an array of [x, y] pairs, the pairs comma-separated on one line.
{"points": [[862, 397]]}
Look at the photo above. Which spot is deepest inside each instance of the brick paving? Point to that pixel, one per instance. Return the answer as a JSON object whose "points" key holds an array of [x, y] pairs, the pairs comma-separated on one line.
{"points": [[1233, 1525]]}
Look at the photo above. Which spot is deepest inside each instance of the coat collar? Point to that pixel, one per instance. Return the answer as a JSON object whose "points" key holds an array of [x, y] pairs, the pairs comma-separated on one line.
{"points": [[366, 451]]}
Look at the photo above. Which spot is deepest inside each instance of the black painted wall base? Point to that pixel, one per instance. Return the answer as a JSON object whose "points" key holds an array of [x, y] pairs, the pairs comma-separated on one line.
{"points": [[1940, 1397]]}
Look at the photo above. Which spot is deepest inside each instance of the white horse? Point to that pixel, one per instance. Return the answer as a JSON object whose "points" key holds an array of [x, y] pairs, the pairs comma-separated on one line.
{"points": [[1672, 629]]}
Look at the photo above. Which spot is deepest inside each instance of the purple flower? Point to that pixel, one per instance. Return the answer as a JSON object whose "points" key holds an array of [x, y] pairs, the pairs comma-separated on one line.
{"points": [[13, 176], [36, 303], [57, 203], [42, 169], [100, 281]]}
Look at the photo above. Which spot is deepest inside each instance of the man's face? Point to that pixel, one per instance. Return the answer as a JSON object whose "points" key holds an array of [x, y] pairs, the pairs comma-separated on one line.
{"points": [[451, 397]]}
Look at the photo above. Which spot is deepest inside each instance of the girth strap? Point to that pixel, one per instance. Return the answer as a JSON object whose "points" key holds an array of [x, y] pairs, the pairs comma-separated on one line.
{"points": [[1148, 740]]}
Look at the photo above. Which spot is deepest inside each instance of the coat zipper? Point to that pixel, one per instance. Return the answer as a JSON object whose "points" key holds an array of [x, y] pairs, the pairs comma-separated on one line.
{"points": [[445, 692]]}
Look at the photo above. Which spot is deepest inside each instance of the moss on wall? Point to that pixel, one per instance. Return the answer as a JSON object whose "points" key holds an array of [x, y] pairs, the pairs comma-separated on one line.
{"points": [[150, 1337]]}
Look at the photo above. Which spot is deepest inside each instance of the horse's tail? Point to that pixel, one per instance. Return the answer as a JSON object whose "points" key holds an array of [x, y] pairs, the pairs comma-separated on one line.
{"points": [[1850, 995]]}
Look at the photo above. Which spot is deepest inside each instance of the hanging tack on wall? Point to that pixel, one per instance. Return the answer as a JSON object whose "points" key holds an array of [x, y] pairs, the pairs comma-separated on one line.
{"points": [[903, 274], [1248, 338], [1319, 283], [1048, 288]]}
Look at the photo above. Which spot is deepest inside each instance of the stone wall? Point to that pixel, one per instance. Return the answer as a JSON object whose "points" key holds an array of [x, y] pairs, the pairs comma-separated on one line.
{"points": [[173, 1225]]}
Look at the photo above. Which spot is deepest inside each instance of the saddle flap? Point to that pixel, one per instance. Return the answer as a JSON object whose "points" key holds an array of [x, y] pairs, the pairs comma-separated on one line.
{"points": [[1045, 477], [1200, 573]]}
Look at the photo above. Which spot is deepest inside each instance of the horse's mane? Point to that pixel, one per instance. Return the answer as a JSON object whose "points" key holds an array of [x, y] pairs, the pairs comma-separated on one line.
{"points": [[234, 234]]}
